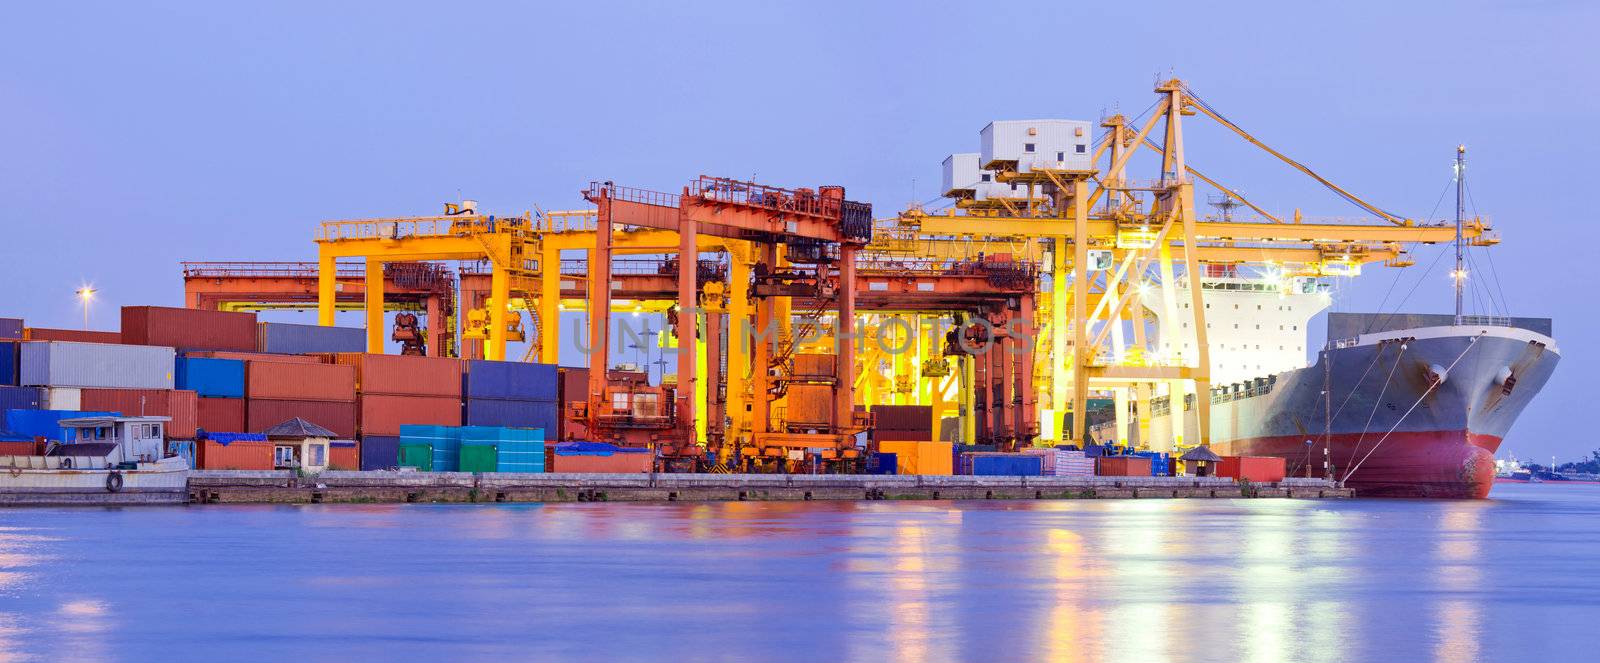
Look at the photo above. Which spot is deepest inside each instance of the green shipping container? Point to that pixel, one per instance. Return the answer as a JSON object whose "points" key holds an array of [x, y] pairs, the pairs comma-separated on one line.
{"points": [[478, 458], [419, 456]]}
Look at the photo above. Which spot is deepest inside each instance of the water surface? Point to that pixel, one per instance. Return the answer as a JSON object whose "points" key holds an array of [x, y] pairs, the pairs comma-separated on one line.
{"points": [[1511, 578]]}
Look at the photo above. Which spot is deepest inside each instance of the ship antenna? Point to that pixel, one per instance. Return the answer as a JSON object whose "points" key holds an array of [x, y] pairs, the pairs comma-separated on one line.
{"points": [[1460, 275]]}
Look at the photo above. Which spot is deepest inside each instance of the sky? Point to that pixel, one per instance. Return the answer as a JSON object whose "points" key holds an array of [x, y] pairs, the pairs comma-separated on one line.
{"points": [[134, 136]]}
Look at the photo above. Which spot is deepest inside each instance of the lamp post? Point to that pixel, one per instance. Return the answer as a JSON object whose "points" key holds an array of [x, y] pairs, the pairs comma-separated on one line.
{"points": [[85, 294]]}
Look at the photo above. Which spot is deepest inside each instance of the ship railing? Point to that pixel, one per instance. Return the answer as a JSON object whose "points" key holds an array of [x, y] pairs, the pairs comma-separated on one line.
{"points": [[1486, 320]]}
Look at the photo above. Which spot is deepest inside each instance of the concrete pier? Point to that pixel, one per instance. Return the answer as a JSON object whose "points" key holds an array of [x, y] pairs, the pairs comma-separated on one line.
{"points": [[221, 487]]}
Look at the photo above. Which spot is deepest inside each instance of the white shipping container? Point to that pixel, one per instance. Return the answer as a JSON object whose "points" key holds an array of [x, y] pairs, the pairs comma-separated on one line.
{"points": [[63, 398], [1038, 144], [96, 365]]}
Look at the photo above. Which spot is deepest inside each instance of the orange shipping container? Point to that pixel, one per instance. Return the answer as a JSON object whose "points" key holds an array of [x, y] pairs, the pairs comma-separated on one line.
{"points": [[1255, 469], [1122, 466], [181, 405], [627, 463], [925, 458], [75, 335], [300, 382], [404, 375], [383, 414], [238, 455], [188, 328], [19, 448], [220, 415], [261, 414], [344, 455]]}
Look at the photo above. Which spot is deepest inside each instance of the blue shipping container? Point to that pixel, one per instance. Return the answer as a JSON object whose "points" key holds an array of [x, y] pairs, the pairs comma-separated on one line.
{"points": [[512, 414], [46, 423], [511, 380], [11, 328], [518, 449], [9, 362], [1012, 465], [446, 442], [380, 452], [21, 398], [883, 464], [211, 378], [291, 339]]}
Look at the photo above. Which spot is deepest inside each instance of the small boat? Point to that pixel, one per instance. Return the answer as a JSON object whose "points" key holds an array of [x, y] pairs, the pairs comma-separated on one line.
{"points": [[103, 460]]}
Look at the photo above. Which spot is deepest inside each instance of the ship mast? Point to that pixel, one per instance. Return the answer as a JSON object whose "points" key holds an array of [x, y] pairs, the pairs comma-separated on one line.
{"points": [[1460, 275]]}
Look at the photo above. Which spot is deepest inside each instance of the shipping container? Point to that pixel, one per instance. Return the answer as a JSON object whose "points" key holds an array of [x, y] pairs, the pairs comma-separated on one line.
{"points": [[1122, 466], [381, 452], [299, 381], [594, 457], [882, 463], [259, 356], [9, 447], [45, 423], [21, 398], [477, 458], [404, 375], [67, 364], [1159, 462], [416, 454], [384, 414], [264, 413], [344, 455], [11, 328], [444, 440], [513, 414], [210, 378], [574, 387], [62, 398], [188, 328], [286, 338], [922, 458], [1255, 469], [517, 449], [916, 418], [1006, 465], [220, 415], [71, 335], [511, 380], [9, 362], [235, 451], [180, 405]]}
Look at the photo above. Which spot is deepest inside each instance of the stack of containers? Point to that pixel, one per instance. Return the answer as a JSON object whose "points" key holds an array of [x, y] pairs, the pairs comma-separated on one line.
{"points": [[574, 388], [292, 339], [516, 449], [219, 383], [479, 449], [511, 394], [188, 328], [179, 405], [277, 391], [393, 390], [234, 451], [430, 448], [65, 368], [30, 424], [13, 397]]}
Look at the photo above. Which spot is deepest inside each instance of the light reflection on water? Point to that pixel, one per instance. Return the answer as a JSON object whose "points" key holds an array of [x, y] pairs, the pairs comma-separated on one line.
{"points": [[1132, 580]]}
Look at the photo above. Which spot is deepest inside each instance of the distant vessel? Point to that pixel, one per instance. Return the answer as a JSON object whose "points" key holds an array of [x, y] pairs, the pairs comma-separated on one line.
{"points": [[1405, 405], [106, 460]]}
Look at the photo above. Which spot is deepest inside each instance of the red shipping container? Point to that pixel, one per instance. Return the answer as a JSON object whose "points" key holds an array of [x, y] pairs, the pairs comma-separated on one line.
{"points": [[261, 414], [237, 455], [188, 328], [19, 449], [181, 405], [221, 415], [634, 463], [574, 387], [258, 356], [404, 375], [881, 435], [299, 381], [344, 455], [382, 414], [75, 335], [1255, 469], [1122, 466]]}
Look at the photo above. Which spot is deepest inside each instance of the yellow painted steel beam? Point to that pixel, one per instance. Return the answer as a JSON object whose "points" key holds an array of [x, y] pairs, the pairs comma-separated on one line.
{"points": [[327, 288], [549, 304], [374, 287], [1240, 231]]}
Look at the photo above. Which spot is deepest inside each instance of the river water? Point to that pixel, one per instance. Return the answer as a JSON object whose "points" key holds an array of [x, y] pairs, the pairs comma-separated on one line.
{"points": [[1516, 577]]}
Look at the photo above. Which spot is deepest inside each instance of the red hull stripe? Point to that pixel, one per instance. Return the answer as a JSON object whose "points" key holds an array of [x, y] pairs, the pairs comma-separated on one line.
{"points": [[1456, 464]]}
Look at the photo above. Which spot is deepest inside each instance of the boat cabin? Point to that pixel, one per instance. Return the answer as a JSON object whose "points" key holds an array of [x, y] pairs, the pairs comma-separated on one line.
{"points": [[118, 439]]}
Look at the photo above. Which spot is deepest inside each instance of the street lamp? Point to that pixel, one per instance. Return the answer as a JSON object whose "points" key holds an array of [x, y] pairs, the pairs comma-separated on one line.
{"points": [[85, 294]]}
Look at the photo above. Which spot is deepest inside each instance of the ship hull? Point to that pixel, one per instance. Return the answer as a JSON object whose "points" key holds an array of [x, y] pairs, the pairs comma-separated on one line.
{"points": [[1403, 413]]}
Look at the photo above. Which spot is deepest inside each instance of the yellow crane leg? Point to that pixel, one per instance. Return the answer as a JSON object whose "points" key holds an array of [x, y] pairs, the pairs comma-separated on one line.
{"points": [[969, 418], [327, 292], [702, 369], [739, 339], [550, 305], [374, 305], [1059, 296], [1080, 297], [1202, 370], [500, 295]]}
